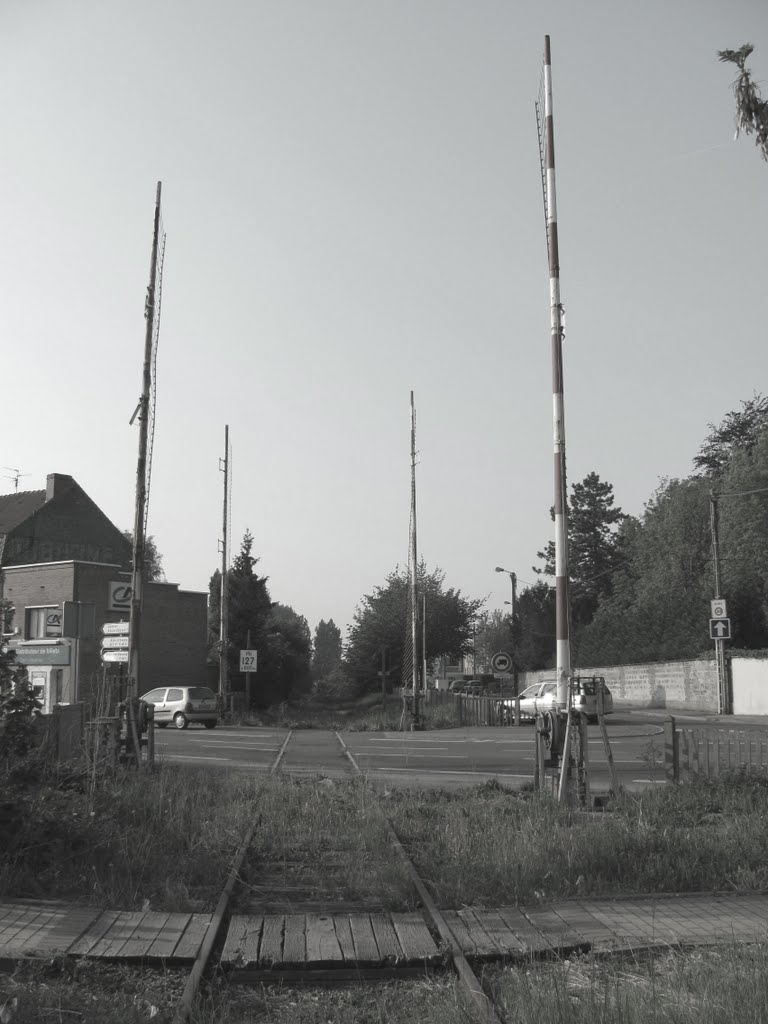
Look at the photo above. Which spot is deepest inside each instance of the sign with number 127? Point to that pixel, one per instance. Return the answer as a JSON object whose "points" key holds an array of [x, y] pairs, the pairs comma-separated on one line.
{"points": [[248, 661]]}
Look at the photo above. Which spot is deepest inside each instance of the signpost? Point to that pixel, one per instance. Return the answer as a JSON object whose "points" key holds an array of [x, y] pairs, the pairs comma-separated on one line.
{"points": [[248, 663], [115, 642], [501, 662], [120, 656], [720, 629], [115, 628]]}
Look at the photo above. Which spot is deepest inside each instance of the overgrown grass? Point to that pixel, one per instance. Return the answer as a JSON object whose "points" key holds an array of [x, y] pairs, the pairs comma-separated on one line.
{"points": [[489, 847], [713, 986], [166, 836], [433, 1000], [365, 715], [336, 835]]}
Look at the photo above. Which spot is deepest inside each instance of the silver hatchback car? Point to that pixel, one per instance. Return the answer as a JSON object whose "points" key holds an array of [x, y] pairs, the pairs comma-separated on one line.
{"points": [[182, 705]]}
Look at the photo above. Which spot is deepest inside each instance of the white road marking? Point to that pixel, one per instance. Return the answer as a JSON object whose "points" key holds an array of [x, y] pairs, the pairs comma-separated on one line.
{"points": [[408, 753]]}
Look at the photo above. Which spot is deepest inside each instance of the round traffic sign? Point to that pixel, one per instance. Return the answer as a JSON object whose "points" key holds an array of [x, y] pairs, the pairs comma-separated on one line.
{"points": [[718, 611], [501, 662]]}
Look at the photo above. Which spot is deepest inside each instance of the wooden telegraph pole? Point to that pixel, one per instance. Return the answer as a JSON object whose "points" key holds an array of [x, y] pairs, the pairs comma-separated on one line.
{"points": [[142, 411], [223, 618]]}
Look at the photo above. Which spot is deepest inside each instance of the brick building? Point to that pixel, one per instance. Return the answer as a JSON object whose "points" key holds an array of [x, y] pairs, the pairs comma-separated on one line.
{"points": [[65, 573]]}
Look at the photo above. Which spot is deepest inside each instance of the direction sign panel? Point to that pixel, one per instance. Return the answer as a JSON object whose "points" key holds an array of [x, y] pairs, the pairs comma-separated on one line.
{"points": [[248, 661], [718, 608], [120, 642], [115, 656], [115, 628], [720, 629], [501, 662]]}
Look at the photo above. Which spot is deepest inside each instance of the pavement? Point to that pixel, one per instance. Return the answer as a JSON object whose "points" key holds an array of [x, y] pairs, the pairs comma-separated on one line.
{"points": [[40, 929]]}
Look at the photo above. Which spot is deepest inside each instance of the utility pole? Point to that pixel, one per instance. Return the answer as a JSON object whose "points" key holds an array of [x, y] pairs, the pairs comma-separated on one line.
{"points": [[142, 410], [414, 567], [223, 619], [722, 685], [424, 642], [558, 397]]}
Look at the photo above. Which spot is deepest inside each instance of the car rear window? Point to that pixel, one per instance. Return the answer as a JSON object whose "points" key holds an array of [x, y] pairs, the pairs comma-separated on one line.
{"points": [[201, 693]]}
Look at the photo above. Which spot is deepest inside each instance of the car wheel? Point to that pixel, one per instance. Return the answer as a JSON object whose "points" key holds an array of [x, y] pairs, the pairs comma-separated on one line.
{"points": [[180, 721], [161, 725], [209, 725]]}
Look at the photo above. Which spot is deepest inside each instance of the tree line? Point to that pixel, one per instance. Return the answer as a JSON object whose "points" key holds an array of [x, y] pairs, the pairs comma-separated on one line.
{"points": [[640, 588]]}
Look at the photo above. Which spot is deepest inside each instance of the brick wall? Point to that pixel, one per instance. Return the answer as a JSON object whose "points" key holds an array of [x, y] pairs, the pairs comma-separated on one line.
{"points": [[69, 526], [174, 637], [677, 685], [174, 624], [31, 586]]}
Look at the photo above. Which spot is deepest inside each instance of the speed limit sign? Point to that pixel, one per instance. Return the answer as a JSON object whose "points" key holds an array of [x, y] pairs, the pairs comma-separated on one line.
{"points": [[718, 608], [501, 662]]}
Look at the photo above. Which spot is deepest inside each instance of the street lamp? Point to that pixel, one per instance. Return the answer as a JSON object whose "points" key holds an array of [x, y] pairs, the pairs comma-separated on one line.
{"points": [[513, 581]]}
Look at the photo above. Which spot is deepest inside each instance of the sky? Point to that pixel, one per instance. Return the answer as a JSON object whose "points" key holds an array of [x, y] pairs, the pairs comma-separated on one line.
{"points": [[353, 211]]}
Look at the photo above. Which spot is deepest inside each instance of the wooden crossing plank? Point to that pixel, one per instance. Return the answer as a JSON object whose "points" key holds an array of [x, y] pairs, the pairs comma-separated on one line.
{"points": [[25, 925], [93, 934], [460, 931], [116, 936], [484, 944], [414, 937], [295, 941], [64, 929], [35, 936], [366, 950], [192, 938], [234, 942], [144, 935], [17, 922], [344, 936], [168, 937], [499, 931], [271, 947], [624, 926], [11, 913], [386, 938], [528, 933], [586, 924], [322, 945], [560, 934]]}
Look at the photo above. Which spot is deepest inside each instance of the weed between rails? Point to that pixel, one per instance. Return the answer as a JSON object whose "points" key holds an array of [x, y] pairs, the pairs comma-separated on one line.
{"points": [[335, 832]]}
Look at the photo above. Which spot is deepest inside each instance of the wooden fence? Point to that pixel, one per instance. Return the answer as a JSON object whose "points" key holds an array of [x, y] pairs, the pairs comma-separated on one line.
{"points": [[708, 751]]}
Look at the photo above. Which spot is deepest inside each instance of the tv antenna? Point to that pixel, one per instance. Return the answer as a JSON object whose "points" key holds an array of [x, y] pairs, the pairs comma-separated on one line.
{"points": [[15, 477]]}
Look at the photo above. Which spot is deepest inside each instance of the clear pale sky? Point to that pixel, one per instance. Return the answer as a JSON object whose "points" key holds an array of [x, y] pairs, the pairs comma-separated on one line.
{"points": [[352, 201]]}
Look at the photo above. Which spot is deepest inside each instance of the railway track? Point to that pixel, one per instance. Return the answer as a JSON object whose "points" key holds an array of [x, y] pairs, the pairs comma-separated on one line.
{"points": [[296, 924]]}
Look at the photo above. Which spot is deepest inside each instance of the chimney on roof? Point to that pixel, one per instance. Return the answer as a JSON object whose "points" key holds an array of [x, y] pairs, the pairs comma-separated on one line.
{"points": [[57, 483]]}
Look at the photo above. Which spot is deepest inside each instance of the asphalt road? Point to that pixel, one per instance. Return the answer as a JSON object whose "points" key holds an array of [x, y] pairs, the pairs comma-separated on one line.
{"points": [[448, 757]]}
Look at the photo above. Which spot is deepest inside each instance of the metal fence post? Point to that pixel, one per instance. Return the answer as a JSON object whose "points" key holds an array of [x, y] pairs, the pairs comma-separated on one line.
{"points": [[671, 751]]}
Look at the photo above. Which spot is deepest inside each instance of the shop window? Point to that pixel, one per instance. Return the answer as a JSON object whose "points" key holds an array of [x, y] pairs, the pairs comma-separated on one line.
{"points": [[43, 622]]}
